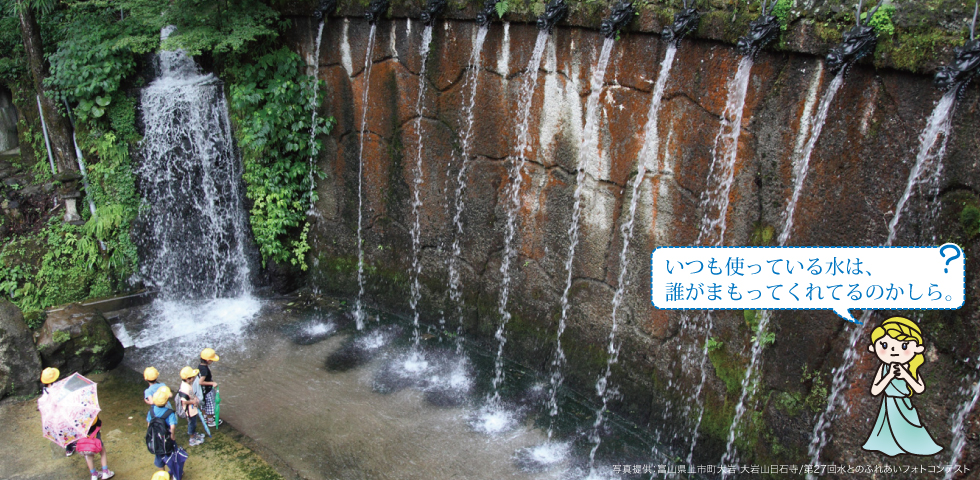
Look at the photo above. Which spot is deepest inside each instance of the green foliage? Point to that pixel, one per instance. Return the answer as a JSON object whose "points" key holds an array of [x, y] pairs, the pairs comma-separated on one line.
{"points": [[711, 344], [502, 8], [882, 20], [816, 400], [61, 336], [217, 26], [783, 11], [762, 234], [58, 265], [272, 106], [970, 220], [767, 338], [99, 53]]}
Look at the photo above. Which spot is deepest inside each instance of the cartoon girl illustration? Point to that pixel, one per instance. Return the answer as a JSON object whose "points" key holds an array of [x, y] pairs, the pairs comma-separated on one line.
{"points": [[898, 344]]}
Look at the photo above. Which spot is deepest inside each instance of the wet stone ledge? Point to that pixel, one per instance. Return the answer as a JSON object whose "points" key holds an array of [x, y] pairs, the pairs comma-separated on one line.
{"points": [[916, 36]]}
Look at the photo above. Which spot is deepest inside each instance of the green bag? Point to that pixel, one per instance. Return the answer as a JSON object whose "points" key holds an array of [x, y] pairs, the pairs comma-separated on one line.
{"points": [[217, 407]]}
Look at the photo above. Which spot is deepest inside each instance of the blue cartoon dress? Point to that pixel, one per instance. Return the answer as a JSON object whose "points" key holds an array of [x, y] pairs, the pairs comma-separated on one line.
{"points": [[898, 429]]}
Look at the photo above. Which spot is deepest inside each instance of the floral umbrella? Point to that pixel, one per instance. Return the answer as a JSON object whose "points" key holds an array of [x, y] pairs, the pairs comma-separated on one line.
{"points": [[68, 409]]}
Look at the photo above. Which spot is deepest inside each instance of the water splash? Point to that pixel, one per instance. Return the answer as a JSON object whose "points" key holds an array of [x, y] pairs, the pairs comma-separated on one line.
{"points": [[416, 229], [513, 192], [313, 104], [929, 157], [359, 303], [714, 201], [648, 159], [588, 148], [820, 435], [802, 163], [472, 78], [190, 177], [959, 426]]}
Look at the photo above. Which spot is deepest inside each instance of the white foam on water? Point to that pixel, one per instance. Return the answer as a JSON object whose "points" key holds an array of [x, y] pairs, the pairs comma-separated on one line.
{"points": [[119, 330], [493, 420], [413, 365], [317, 329], [549, 453], [456, 377], [372, 341], [174, 319]]}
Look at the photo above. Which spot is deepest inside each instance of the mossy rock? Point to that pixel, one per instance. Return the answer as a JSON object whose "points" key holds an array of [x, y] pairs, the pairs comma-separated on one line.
{"points": [[78, 339]]}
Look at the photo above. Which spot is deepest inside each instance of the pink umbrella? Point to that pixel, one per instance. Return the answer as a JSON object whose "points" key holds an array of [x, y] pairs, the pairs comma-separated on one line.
{"points": [[68, 408]]}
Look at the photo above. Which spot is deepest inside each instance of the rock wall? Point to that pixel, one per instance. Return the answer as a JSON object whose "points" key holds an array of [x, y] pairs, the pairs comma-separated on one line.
{"points": [[858, 172]]}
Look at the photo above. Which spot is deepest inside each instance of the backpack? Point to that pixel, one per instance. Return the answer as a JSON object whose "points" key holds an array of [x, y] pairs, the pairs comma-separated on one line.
{"points": [[182, 410], [158, 434]]}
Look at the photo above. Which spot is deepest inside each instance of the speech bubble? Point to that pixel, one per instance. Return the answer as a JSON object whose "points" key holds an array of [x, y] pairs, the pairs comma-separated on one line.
{"points": [[808, 278]]}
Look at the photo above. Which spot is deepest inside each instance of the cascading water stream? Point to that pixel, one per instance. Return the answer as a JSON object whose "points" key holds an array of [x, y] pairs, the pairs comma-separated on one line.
{"points": [[715, 203], [190, 176], [588, 148], [959, 426], [513, 199], [929, 157], [835, 399], [472, 78], [359, 303], [416, 229], [316, 91], [648, 160], [722, 171], [727, 140], [802, 163]]}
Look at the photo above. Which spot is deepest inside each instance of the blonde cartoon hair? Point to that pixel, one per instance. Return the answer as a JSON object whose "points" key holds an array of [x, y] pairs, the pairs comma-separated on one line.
{"points": [[903, 330]]}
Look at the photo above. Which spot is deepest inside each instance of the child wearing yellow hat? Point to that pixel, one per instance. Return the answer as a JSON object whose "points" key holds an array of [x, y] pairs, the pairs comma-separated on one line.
{"points": [[208, 356], [48, 376], [161, 409], [189, 402], [151, 374]]}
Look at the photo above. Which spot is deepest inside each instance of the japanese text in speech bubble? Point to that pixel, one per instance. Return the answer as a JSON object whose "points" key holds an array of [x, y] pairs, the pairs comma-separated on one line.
{"points": [[812, 278]]}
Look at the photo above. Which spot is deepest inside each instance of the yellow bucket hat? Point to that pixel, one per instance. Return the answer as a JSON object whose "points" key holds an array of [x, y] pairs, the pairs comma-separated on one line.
{"points": [[162, 395], [50, 375], [151, 374], [161, 475], [208, 354], [188, 372]]}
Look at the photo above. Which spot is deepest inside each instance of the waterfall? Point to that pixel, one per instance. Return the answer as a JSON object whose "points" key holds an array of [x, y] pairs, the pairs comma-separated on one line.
{"points": [[47, 141], [714, 201], [316, 91], [588, 148], [959, 426], [819, 438], [647, 160], [190, 177], [359, 304], [416, 186], [513, 199], [802, 163], [928, 159], [472, 79]]}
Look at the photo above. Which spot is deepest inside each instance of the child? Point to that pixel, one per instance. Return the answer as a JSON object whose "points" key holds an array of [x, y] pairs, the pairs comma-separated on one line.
{"points": [[208, 356], [48, 376], [898, 344], [150, 375], [189, 402], [161, 409], [105, 473]]}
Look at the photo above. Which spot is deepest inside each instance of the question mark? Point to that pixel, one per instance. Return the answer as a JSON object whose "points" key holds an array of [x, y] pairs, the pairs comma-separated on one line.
{"points": [[954, 257]]}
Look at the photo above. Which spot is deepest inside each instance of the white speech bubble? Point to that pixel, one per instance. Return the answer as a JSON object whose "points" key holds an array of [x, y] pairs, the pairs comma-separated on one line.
{"points": [[808, 278]]}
